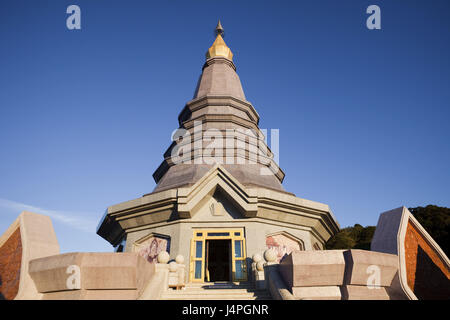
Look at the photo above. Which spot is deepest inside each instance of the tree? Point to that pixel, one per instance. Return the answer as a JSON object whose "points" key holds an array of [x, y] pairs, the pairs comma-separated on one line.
{"points": [[435, 220], [356, 237]]}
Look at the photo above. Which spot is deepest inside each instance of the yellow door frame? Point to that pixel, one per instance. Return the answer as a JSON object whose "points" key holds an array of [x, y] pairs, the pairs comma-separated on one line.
{"points": [[198, 250]]}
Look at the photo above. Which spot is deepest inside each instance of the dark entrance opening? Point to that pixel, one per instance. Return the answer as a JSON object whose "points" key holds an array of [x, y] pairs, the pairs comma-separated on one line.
{"points": [[218, 260]]}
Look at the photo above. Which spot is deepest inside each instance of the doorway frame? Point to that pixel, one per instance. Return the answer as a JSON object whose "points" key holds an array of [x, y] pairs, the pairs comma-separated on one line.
{"points": [[198, 251]]}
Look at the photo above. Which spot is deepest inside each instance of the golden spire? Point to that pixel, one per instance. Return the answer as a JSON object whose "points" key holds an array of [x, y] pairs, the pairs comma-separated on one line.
{"points": [[219, 48]]}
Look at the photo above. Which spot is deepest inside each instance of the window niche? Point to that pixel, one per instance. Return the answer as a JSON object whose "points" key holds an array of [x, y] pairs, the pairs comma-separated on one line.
{"points": [[283, 243], [151, 245]]}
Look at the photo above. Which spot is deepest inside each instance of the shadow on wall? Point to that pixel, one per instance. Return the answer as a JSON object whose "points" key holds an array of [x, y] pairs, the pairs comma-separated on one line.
{"points": [[2, 297], [430, 276], [248, 263]]}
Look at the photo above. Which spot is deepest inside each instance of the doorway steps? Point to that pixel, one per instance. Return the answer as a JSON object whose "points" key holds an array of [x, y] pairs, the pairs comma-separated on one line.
{"points": [[217, 291]]}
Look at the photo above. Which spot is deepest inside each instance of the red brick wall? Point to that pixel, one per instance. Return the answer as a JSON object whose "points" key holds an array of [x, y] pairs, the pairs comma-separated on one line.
{"points": [[10, 262], [427, 275]]}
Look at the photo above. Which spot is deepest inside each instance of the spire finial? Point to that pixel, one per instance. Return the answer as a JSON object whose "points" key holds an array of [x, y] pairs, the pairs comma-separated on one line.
{"points": [[219, 30], [219, 48]]}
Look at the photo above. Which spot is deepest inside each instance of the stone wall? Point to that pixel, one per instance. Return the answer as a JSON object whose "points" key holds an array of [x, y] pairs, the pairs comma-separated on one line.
{"points": [[91, 276], [424, 269], [340, 275], [29, 237]]}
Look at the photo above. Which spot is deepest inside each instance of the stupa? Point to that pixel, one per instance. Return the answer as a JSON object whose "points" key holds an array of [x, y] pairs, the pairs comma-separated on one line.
{"points": [[219, 197]]}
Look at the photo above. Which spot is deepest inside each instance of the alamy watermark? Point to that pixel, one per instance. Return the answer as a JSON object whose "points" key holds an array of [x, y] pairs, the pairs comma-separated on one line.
{"points": [[73, 22], [228, 146], [374, 20], [374, 278], [73, 281]]}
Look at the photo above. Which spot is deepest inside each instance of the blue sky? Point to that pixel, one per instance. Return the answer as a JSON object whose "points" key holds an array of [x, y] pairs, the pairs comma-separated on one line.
{"points": [[86, 115]]}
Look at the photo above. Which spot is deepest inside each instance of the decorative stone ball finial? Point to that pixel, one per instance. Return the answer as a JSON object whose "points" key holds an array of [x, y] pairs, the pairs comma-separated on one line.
{"points": [[257, 257], [179, 259], [163, 257], [260, 265], [173, 266], [270, 255]]}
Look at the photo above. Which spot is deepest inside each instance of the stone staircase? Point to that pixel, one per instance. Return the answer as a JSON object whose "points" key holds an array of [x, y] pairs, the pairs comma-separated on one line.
{"points": [[217, 291]]}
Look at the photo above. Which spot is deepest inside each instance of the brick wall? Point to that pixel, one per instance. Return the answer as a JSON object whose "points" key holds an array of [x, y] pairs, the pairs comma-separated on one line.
{"points": [[10, 262], [427, 275]]}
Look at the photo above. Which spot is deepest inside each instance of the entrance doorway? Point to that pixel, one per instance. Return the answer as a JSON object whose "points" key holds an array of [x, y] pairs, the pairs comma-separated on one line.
{"points": [[218, 255], [218, 260]]}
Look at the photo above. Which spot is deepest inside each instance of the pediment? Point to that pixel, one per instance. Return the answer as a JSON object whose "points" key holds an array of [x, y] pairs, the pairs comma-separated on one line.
{"points": [[220, 185], [217, 207]]}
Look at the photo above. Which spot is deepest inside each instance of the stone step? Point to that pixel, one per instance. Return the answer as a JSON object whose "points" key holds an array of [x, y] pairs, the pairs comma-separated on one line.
{"points": [[215, 291], [224, 296], [220, 285], [216, 296], [208, 296], [203, 297]]}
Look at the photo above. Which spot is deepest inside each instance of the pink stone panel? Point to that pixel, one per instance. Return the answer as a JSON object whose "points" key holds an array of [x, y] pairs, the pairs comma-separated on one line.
{"points": [[150, 248], [282, 245]]}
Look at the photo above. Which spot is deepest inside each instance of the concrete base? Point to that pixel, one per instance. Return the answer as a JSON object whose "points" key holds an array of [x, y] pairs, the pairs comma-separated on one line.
{"points": [[313, 268], [362, 264], [92, 295], [364, 293], [317, 293], [260, 282], [341, 275], [91, 275]]}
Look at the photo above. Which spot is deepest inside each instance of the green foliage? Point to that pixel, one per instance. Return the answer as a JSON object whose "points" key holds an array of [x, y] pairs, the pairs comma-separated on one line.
{"points": [[435, 220], [356, 237], [364, 238]]}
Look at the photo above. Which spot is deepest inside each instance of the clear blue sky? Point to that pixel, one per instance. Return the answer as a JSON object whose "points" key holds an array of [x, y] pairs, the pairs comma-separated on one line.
{"points": [[86, 115]]}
